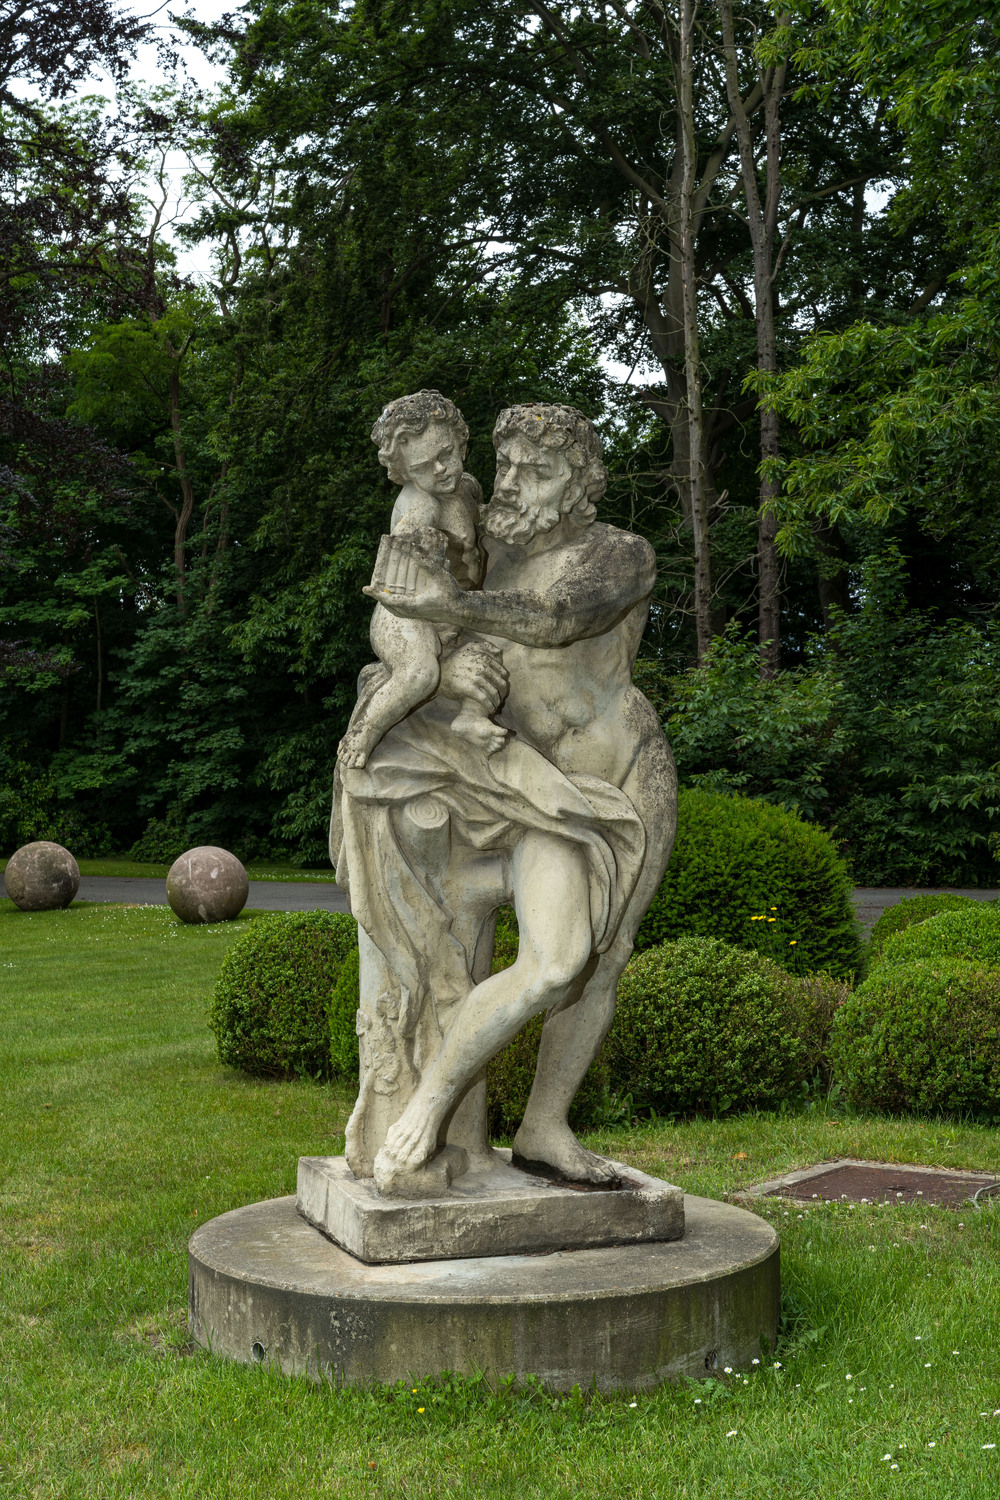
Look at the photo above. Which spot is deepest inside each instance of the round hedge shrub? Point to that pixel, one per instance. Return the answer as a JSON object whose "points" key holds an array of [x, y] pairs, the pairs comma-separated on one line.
{"points": [[971, 934], [704, 1026], [922, 1037], [345, 1061], [270, 1009], [906, 913], [757, 877]]}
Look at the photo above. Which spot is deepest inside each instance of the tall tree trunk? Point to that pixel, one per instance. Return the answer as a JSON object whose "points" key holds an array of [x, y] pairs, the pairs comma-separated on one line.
{"points": [[689, 317], [762, 219], [187, 489]]}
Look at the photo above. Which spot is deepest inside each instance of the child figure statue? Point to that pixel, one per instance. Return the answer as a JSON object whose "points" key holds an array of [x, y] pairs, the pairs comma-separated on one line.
{"points": [[422, 441]]}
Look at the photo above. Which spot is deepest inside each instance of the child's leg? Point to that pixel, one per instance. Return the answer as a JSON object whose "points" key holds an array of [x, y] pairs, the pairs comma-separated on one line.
{"points": [[410, 649], [474, 724]]}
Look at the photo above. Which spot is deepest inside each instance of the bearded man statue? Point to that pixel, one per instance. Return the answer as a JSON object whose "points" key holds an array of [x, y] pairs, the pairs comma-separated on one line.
{"points": [[570, 821]]}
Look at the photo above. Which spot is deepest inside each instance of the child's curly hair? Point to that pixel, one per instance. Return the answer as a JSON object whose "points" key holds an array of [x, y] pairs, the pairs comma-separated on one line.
{"points": [[408, 416]]}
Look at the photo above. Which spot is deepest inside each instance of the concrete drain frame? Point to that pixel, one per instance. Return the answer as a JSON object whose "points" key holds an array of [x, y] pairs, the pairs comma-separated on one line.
{"points": [[897, 1183]]}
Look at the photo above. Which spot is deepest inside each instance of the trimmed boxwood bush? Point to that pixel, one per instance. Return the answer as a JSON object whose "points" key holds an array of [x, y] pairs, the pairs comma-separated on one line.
{"points": [[270, 1010], [922, 1037], [906, 913], [345, 1061], [704, 1026], [757, 877], [972, 934]]}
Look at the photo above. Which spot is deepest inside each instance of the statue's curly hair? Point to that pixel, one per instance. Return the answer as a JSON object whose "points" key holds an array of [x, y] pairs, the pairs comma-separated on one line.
{"points": [[565, 428], [408, 416]]}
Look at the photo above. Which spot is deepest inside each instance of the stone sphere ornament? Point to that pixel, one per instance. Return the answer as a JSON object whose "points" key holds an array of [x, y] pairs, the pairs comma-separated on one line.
{"points": [[207, 885], [42, 877]]}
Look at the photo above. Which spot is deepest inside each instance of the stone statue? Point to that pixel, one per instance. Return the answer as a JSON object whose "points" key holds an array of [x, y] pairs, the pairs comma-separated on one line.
{"points": [[421, 441], [499, 754]]}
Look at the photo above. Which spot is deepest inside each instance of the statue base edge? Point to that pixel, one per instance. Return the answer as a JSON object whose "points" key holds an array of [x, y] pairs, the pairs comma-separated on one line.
{"points": [[500, 1211], [266, 1287]]}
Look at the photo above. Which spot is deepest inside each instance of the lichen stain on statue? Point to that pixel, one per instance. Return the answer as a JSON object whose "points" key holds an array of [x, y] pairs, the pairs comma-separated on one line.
{"points": [[498, 753]]}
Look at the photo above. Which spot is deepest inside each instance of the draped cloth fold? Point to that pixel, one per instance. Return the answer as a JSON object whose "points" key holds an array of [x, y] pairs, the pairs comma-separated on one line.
{"points": [[492, 801]]}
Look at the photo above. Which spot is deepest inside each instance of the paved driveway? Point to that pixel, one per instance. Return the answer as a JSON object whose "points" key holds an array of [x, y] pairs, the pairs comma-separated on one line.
{"points": [[871, 901], [265, 895], [308, 895]]}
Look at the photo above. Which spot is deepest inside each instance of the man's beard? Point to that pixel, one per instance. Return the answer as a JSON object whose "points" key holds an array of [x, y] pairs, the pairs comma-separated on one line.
{"points": [[514, 522]]}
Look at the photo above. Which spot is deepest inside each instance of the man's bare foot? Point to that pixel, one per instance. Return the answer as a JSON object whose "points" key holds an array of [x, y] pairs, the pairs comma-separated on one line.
{"points": [[413, 1138], [352, 751], [554, 1145], [479, 730]]}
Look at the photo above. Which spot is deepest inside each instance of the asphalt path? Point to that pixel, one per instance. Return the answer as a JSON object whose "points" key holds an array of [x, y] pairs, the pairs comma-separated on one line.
{"points": [[871, 901], [265, 895], [302, 895]]}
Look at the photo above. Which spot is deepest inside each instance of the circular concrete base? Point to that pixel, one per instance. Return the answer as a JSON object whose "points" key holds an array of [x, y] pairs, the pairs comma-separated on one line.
{"points": [[266, 1285]]}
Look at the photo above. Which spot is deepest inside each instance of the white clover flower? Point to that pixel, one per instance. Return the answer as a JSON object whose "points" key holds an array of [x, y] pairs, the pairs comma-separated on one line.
{"points": [[697, 1400]]}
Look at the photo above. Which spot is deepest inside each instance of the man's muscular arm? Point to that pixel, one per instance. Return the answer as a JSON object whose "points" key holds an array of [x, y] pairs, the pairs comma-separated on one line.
{"points": [[612, 578]]}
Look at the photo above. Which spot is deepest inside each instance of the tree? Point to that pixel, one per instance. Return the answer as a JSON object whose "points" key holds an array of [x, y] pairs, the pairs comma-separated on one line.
{"points": [[899, 417], [570, 126]]}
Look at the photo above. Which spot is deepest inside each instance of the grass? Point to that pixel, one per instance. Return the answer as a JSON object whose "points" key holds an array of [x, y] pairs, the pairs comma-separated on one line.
{"points": [[121, 865], [119, 1133]]}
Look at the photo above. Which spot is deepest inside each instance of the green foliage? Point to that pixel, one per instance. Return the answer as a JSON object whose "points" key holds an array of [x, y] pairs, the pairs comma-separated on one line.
{"points": [[922, 1036], [971, 934], [30, 809], [903, 914], [890, 736], [703, 1026], [779, 739], [271, 1005], [344, 1058], [922, 711], [759, 877], [163, 839]]}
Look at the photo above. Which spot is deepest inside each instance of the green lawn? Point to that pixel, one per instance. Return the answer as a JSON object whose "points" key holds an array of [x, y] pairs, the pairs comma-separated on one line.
{"points": [[119, 1133], [120, 864]]}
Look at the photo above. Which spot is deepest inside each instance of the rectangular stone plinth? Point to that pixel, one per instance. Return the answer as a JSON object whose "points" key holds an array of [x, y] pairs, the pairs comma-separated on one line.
{"points": [[500, 1212]]}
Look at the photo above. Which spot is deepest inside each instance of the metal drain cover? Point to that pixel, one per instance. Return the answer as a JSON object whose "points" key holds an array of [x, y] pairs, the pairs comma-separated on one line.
{"points": [[854, 1181]]}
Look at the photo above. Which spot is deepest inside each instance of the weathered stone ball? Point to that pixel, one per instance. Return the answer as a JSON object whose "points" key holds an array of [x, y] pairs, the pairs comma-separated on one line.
{"points": [[42, 877], [207, 885]]}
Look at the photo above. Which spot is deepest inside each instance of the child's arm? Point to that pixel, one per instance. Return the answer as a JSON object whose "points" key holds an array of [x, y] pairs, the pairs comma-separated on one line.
{"points": [[414, 509]]}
